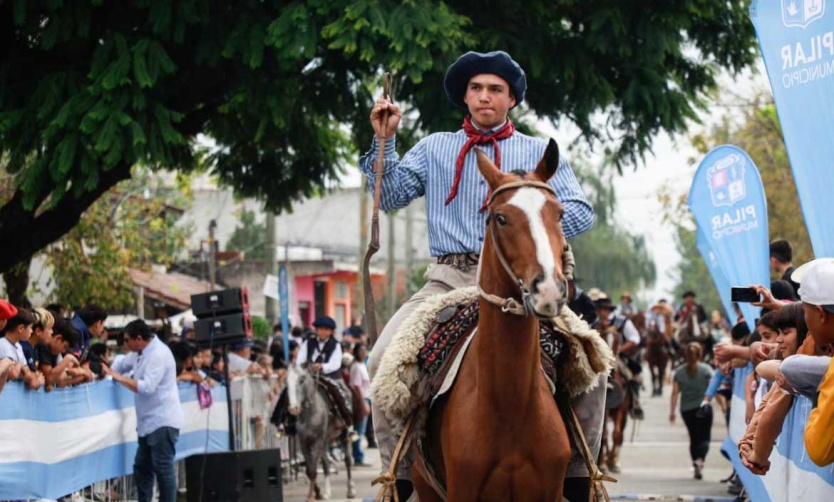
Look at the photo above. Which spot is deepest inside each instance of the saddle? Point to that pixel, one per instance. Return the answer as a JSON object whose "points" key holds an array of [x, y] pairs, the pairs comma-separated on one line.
{"points": [[454, 325], [421, 357], [336, 401]]}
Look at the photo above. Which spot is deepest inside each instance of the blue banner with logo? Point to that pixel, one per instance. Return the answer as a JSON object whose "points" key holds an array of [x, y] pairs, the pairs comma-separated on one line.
{"points": [[718, 277], [797, 43], [728, 202]]}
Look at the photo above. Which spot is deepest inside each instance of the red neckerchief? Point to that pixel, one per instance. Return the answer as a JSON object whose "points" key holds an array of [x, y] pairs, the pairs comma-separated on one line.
{"points": [[477, 137]]}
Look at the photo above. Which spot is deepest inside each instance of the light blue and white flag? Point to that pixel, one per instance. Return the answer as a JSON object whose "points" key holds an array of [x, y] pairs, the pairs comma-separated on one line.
{"points": [[728, 202], [52, 444], [797, 43]]}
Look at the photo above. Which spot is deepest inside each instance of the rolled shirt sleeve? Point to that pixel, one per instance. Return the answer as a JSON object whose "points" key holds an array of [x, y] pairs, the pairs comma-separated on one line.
{"points": [[819, 434]]}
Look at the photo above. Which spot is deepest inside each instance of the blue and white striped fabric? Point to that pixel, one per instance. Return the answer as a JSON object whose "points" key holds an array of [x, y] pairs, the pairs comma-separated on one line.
{"points": [[54, 444], [429, 169], [792, 475]]}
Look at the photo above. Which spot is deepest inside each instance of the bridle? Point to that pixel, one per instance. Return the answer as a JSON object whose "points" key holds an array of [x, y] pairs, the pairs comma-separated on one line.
{"points": [[510, 304]]}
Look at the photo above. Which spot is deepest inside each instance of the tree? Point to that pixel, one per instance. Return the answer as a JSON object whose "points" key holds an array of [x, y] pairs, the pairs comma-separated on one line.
{"points": [[132, 226], [248, 237], [90, 88]]}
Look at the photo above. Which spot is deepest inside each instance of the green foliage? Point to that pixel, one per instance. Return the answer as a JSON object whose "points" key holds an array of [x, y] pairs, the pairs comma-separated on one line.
{"points": [[261, 328], [122, 230], [284, 88], [248, 237]]}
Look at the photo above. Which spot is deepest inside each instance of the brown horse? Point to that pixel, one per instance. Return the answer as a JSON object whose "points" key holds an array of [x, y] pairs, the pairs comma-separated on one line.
{"points": [[657, 350], [498, 434], [616, 415]]}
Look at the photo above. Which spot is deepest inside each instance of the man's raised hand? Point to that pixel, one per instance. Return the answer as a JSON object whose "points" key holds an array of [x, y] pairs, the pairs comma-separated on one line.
{"points": [[394, 116]]}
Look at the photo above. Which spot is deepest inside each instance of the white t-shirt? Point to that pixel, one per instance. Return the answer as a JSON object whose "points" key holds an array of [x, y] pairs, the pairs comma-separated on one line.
{"points": [[13, 351], [238, 364], [360, 378]]}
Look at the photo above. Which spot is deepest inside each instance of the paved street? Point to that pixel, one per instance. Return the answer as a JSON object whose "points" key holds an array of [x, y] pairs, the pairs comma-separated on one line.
{"points": [[655, 467]]}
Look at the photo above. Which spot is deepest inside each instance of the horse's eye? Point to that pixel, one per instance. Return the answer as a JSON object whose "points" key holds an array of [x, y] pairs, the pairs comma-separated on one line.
{"points": [[500, 219]]}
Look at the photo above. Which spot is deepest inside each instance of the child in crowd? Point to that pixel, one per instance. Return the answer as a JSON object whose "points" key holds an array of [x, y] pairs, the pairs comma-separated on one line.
{"points": [[58, 365], [19, 328], [41, 333]]}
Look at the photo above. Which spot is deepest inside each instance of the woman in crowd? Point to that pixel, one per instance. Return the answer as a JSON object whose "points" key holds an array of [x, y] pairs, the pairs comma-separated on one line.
{"points": [[766, 424], [690, 383]]}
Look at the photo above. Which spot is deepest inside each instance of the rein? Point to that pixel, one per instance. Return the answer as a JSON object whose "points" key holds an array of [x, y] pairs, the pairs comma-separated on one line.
{"points": [[510, 304]]}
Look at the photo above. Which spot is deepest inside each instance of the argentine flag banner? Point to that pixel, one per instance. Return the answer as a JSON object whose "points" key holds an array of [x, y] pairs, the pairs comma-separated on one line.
{"points": [[728, 202], [53, 444], [797, 43]]}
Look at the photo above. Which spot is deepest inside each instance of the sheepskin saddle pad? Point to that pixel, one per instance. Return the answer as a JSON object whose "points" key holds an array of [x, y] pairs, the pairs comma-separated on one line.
{"points": [[422, 359]]}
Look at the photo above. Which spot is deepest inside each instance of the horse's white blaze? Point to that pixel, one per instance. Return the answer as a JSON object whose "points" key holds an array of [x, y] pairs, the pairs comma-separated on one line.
{"points": [[531, 201]]}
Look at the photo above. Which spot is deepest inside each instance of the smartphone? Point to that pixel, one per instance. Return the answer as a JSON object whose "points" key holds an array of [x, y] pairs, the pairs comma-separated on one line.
{"points": [[744, 295]]}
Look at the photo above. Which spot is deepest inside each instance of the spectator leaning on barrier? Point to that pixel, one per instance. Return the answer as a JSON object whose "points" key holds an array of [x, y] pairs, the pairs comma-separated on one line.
{"points": [[18, 329], [89, 321], [68, 371], [159, 416], [816, 289]]}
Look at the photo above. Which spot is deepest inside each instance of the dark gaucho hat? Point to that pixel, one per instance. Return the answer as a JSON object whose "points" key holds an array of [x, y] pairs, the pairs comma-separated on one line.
{"points": [[475, 63]]}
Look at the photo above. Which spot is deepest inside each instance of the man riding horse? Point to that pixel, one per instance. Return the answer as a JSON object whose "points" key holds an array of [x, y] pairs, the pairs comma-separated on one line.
{"points": [[321, 355], [442, 167], [626, 345]]}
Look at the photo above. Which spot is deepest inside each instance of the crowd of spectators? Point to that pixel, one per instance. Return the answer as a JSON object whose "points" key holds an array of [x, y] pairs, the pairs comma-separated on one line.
{"points": [[789, 352]]}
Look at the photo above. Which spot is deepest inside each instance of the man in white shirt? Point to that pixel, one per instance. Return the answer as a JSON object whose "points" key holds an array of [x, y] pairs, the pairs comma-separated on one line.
{"points": [[159, 415]]}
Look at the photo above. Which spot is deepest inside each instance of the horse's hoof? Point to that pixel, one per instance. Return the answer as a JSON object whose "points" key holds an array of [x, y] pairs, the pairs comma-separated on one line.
{"points": [[351, 494], [615, 469]]}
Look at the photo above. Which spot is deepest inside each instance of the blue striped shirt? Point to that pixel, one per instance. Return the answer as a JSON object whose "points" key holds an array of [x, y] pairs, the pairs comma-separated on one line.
{"points": [[429, 169]]}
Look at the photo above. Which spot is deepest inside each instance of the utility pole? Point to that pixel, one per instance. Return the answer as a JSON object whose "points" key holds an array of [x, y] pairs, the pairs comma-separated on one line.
{"points": [[212, 254], [392, 265], [271, 307], [409, 249], [363, 243]]}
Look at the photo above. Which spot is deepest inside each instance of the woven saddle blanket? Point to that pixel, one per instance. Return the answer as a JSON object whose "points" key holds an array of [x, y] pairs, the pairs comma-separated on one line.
{"points": [[422, 359]]}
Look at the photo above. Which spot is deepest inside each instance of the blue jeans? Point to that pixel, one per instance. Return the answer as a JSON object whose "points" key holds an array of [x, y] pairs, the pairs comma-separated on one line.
{"points": [[155, 458], [361, 427]]}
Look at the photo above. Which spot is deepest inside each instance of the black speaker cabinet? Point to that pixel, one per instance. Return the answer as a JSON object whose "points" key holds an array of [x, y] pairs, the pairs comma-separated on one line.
{"points": [[217, 303], [223, 329], [238, 476]]}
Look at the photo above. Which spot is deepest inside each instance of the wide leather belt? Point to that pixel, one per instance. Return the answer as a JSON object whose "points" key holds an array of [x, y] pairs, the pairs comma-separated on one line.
{"points": [[460, 261]]}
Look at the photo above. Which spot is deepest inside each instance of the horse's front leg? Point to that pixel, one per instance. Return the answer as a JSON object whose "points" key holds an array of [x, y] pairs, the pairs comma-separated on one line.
{"points": [[311, 468], [322, 444], [351, 489]]}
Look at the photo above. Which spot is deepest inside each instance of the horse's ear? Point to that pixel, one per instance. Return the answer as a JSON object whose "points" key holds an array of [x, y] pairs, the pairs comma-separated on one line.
{"points": [[491, 174], [548, 164]]}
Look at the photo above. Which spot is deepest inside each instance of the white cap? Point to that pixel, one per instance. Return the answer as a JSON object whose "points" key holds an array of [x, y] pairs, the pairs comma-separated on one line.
{"points": [[816, 282]]}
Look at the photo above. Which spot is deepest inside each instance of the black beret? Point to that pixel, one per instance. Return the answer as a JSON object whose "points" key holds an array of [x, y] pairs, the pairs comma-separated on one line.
{"points": [[475, 63]]}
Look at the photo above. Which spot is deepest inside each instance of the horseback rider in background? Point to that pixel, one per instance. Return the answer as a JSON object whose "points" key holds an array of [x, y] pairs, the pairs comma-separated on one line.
{"points": [[626, 346]]}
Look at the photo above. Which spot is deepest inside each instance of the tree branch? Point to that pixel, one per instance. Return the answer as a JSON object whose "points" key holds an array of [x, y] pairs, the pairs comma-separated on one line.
{"points": [[25, 234]]}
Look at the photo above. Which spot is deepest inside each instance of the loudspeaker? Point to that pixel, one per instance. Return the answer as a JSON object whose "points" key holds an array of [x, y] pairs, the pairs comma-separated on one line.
{"points": [[235, 476], [223, 329], [217, 303]]}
